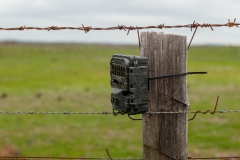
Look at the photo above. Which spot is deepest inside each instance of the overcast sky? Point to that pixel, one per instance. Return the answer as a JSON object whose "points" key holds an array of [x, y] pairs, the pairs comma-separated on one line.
{"points": [[106, 13]]}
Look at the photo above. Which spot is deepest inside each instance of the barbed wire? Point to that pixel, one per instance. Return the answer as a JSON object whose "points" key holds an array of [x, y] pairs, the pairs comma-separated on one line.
{"points": [[219, 111], [106, 113], [46, 112], [86, 29], [207, 111], [80, 158], [122, 113]]}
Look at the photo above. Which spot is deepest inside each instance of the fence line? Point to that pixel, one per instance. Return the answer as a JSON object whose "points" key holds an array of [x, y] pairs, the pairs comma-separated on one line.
{"points": [[86, 29], [122, 113], [46, 112], [127, 28], [106, 113]]}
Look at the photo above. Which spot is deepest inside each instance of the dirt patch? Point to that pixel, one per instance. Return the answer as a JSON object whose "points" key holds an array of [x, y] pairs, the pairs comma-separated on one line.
{"points": [[9, 151], [38, 95], [4, 95]]}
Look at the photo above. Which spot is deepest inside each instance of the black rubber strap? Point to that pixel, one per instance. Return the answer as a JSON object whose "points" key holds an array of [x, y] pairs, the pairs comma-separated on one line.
{"points": [[176, 75]]}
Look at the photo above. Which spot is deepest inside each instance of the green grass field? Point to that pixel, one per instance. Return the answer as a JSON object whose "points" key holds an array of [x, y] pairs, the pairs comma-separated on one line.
{"points": [[68, 77]]}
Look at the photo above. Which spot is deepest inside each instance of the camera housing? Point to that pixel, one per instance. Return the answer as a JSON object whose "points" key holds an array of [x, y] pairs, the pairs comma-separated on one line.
{"points": [[129, 81]]}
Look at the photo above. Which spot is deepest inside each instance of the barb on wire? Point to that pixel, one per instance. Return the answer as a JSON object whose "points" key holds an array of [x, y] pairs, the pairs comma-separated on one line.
{"points": [[53, 28], [21, 28], [231, 24], [212, 112], [160, 26], [192, 38], [207, 25], [120, 27], [130, 28], [86, 29], [193, 26]]}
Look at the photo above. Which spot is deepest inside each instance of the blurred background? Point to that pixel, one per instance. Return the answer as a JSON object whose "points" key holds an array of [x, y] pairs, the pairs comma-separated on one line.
{"points": [[68, 70]]}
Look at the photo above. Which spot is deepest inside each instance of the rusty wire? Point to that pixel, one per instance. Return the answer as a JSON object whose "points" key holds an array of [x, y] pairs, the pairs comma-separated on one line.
{"points": [[192, 35], [77, 158], [86, 29], [109, 154], [212, 112]]}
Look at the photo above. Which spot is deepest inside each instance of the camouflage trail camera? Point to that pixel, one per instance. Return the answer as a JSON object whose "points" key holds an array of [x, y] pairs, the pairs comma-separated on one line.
{"points": [[130, 84]]}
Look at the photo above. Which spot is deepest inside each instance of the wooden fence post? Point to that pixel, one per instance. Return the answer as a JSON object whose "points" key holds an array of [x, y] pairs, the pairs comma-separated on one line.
{"points": [[165, 136]]}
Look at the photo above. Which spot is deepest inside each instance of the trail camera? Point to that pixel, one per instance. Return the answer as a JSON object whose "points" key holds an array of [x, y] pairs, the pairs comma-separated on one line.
{"points": [[130, 84]]}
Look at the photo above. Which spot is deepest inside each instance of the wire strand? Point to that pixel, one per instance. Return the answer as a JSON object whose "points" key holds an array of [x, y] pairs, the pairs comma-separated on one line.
{"points": [[86, 29], [108, 113]]}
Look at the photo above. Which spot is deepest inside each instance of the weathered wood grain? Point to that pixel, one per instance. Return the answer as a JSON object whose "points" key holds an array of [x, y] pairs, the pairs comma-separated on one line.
{"points": [[165, 135]]}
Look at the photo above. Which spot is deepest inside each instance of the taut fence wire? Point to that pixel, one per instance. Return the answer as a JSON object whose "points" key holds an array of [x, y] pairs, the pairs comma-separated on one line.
{"points": [[112, 113], [127, 28], [108, 113], [86, 29]]}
